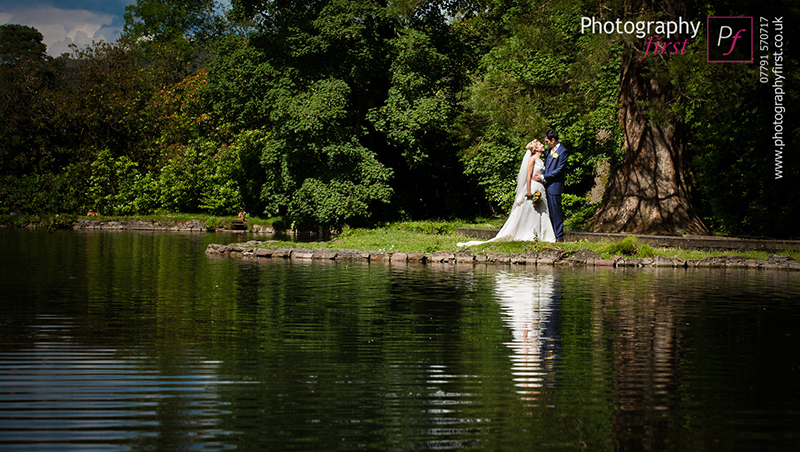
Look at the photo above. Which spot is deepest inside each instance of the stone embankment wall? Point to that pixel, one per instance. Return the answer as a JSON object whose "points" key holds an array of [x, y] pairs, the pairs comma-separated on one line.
{"points": [[157, 225], [688, 242], [142, 225], [253, 249]]}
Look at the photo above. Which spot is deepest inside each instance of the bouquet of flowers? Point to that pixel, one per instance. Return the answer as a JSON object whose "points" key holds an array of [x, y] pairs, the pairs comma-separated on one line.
{"points": [[536, 197]]}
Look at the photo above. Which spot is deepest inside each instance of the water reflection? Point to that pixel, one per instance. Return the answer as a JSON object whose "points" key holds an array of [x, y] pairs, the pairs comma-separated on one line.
{"points": [[140, 341], [70, 396], [639, 314], [529, 302]]}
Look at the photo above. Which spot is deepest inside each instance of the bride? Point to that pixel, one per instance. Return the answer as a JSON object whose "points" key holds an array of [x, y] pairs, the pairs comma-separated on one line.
{"points": [[529, 219]]}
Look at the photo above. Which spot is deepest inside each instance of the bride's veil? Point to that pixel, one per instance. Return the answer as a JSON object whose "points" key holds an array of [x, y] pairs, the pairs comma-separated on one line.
{"points": [[522, 182]]}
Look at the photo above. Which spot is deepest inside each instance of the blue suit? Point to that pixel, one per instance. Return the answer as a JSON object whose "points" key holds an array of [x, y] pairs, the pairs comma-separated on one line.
{"points": [[555, 163]]}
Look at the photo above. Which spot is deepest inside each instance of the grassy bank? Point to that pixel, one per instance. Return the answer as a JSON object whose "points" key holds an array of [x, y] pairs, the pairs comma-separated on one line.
{"points": [[427, 237], [415, 237]]}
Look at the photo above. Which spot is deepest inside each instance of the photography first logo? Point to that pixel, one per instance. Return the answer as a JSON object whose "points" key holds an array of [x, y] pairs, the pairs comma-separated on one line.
{"points": [[663, 35], [729, 39]]}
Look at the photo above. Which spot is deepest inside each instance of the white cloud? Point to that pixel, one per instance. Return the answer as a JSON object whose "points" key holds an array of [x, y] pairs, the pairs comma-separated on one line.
{"points": [[61, 27]]}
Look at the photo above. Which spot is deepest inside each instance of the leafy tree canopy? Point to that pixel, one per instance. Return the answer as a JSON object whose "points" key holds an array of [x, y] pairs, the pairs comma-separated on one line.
{"points": [[347, 111], [21, 43]]}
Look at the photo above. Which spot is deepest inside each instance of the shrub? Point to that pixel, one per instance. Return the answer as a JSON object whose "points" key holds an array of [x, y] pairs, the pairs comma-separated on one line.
{"points": [[59, 222], [222, 171], [646, 250], [625, 247], [181, 181]]}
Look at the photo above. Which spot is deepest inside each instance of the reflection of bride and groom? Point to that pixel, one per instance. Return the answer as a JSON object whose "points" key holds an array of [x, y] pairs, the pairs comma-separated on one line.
{"points": [[536, 213], [529, 309]]}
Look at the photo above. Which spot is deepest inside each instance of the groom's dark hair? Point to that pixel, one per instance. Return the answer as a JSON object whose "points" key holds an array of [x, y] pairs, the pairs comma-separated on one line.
{"points": [[551, 135]]}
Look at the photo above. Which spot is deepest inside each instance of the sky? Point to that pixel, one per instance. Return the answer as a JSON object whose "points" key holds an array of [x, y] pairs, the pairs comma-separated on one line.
{"points": [[64, 22]]}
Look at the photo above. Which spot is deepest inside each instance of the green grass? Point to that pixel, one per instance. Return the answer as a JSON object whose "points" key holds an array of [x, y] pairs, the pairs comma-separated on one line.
{"points": [[485, 223], [413, 237], [395, 238]]}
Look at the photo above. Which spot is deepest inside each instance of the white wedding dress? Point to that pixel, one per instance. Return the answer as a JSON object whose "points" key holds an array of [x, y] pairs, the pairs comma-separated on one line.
{"points": [[526, 222]]}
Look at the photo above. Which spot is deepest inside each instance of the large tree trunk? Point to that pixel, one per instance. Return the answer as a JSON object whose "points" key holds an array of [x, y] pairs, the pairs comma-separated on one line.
{"points": [[649, 192]]}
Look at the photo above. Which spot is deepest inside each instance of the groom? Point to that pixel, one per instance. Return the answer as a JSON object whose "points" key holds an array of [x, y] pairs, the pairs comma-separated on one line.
{"points": [[552, 178]]}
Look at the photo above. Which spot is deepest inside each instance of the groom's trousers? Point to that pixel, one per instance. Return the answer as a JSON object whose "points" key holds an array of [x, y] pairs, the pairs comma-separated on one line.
{"points": [[556, 215]]}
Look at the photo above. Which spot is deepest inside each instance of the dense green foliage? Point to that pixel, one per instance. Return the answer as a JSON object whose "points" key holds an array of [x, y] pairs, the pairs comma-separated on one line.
{"points": [[543, 74], [20, 44], [348, 112]]}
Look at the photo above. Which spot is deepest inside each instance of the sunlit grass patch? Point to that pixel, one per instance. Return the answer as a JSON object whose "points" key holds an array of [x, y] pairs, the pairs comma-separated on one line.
{"points": [[427, 237]]}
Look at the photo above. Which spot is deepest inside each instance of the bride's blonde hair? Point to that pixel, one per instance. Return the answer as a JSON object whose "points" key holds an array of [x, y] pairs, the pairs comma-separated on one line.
{"points": [[532, 146]]}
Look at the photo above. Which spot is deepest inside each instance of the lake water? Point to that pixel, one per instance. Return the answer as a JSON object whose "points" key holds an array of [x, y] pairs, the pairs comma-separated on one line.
{"points": [[139, 341]]}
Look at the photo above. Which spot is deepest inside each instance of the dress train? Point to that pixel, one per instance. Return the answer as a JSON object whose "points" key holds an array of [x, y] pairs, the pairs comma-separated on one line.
{"points": [[526, 221]]}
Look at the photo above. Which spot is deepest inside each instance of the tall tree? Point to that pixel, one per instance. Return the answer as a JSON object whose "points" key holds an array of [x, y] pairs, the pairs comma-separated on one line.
{"points": [[653, 118], [350, 93], [697, 128], [185, 25], [651, 190], [21, 43], [431, 63], [104, 102], [298, 89], [25, 78]]}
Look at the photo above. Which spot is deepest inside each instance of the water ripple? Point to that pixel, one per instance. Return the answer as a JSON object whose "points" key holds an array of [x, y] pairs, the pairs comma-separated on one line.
{"points": [[67, 396]]}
